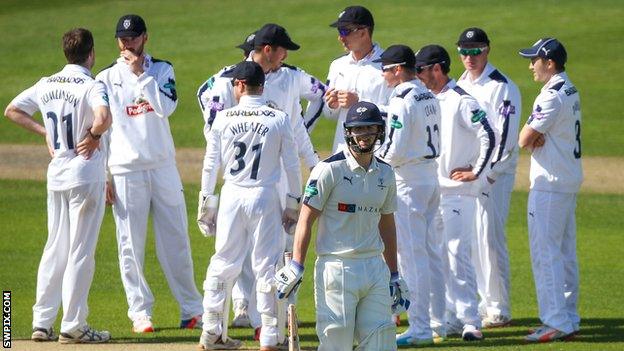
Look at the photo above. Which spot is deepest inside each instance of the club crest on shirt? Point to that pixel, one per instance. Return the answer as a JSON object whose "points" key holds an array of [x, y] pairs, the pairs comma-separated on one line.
{"points": [[380, 183], [537, 113]]}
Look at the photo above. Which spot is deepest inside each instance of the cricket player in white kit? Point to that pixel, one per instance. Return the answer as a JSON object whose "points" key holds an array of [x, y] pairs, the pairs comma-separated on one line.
{"points": [[553, 135], [353, 194], [75, 113], [355, 76], [249, 143], [284, 88], [466, 149], [500, 98], [413, 144], [145, 179]]}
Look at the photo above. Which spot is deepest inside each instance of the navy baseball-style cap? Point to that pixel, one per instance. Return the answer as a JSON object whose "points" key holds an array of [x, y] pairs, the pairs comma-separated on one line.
{"points": [[548, 48], [363, 113], [358, 15], [473, 35], [274, 34], [248, 71], [398, 54], [248, 44], [432, 54], [130, 26]]}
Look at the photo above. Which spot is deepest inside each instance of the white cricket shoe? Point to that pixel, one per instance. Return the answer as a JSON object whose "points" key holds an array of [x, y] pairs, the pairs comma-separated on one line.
{"points": [[548, 334], [496, 321], [85, 335], [143, 324], [43, 334], [241, 317], [471, 333], [209, 341]]}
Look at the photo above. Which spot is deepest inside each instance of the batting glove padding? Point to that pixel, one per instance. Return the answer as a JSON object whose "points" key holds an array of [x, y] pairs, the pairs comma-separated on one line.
{"points": [[399, 294], [207, 214], [288, 279]]}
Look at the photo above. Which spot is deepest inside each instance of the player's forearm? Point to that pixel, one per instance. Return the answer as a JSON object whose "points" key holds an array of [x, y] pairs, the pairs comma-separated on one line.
{"points": [[303, 233], [163, 100], [24, 120], [102, 120], [387, 231]]}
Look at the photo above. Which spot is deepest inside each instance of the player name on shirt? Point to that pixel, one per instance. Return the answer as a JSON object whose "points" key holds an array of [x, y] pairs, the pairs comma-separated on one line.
{"points": [[59, 94], [62, 79], [244, 127]]}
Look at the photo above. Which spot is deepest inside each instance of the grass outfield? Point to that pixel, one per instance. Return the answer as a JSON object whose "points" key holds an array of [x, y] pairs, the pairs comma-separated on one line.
{"points": [[199, 38], [599, 242]]}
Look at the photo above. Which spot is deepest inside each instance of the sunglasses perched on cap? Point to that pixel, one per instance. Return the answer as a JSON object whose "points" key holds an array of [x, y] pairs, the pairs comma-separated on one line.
{"points": [[344, 31], [420, 69], [471, 51], [386, 68]]}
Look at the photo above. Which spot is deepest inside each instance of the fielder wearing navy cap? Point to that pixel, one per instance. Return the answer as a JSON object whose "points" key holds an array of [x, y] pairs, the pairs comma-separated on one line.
{"points": [[354, 15], [547, 48], [248, 44], [247, 71], [432, 54], [396, 55], [130, 26], [274, 34], [473, 35]]}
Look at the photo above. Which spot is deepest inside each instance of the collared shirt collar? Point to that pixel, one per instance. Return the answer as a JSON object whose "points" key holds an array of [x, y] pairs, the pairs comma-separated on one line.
{"points": [[373, 54], [449, 85], [405, 85], [77, 68], [556, 78], [251, 101], [486, 72], [354, 165]]}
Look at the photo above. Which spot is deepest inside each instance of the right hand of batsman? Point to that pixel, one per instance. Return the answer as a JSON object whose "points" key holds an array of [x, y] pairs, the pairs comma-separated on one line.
{"points": [[288, 279], [207, 214]]}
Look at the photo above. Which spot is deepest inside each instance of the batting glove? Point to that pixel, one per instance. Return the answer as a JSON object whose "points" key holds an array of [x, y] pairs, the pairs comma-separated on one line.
{"points": [[399, 294], [207, 214], [290, 214], [288, 279]]}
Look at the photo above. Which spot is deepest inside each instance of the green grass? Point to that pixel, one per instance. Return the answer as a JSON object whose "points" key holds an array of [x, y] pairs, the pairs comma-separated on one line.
{"points": [[599, 242], [199, 38]]}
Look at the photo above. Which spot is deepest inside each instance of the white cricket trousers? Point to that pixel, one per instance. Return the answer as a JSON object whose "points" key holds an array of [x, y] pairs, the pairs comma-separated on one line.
{"points": [[416, 208], [248, 223], [352, 298], [67, 264], [438, 267], [490, 255], [159, 192], [552, 237], [458, 214]]}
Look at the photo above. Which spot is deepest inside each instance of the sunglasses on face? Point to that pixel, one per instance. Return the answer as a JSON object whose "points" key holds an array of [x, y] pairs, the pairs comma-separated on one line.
{"points": [[343, 31], [420, 69], [386, 68], [471, 51]]}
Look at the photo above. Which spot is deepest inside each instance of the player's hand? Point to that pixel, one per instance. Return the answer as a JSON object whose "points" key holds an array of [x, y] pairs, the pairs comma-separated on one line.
{"points": [[134, 61], [331, 98], [110, 193], [539, 142], [288, 279], [463, 174], [399, 294], [207, 214], [291, 213], [87, 146], [347, 98]]}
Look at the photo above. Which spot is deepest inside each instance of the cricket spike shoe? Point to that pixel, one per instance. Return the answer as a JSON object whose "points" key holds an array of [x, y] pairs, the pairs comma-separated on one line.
{"points": [[548, 334], [43, 334], [143, 324], [192, 323]]}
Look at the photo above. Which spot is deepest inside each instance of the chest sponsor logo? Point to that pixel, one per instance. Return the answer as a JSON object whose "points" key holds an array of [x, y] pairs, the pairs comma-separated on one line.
{"points": [[346, 207], [353, 208], [136, 110]]}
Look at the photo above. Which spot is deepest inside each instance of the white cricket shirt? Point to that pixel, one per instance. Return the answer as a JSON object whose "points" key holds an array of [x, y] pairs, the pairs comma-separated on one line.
{"points": [[412, 132], [500, 97], [352, 201], [556, 166], [247, 142], [66, 100], [467, 139], [363, 77]]}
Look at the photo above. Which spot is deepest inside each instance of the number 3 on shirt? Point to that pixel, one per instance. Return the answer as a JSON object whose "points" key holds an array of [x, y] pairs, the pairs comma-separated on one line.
{"points": [[577, 129], [67, 119], [239, 158]]}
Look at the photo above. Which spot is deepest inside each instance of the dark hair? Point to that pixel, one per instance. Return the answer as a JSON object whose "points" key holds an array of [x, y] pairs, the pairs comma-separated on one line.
{"points": [[77, 45], [445, 67]]}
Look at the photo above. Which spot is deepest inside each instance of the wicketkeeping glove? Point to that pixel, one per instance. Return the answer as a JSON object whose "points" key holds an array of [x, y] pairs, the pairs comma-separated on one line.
{"points": [[290, 214], [399, 294], [288, 279], [207, 214]]}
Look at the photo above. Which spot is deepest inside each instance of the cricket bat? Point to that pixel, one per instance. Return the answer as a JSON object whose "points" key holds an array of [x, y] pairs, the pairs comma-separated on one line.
{"points": [[293, 329]]}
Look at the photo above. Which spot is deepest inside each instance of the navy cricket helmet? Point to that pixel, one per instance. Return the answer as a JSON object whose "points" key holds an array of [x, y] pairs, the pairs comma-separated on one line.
{"points": [[363, 113]]}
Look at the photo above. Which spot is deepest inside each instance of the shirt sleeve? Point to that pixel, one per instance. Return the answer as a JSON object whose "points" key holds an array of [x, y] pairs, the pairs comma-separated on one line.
{"points": [[219, 98], [331, 83], [27, 100], [396, 124], [475, 118], [545, 111], [290, 160], [390, 204], [212, 161], [312, 90], [507, 105], [98, 96], [158, 86], [319, 186]]}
